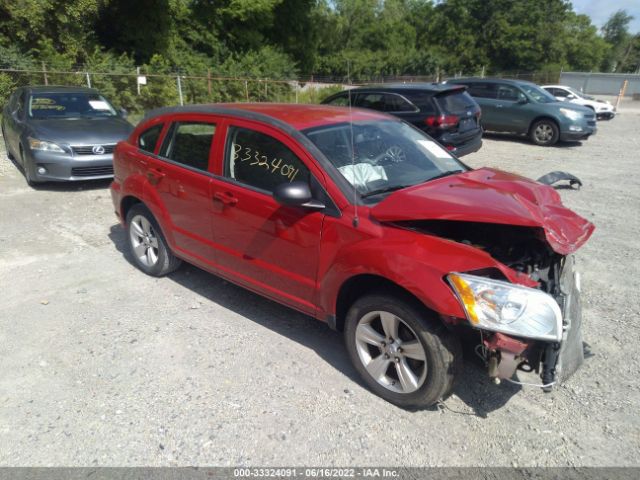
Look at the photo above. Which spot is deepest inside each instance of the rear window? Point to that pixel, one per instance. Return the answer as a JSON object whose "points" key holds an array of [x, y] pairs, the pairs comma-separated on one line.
{"points": [[455, 102]]}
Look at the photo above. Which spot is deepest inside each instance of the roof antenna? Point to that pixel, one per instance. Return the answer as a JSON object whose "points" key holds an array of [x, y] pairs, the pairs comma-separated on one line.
{"points": [[356, 219]]}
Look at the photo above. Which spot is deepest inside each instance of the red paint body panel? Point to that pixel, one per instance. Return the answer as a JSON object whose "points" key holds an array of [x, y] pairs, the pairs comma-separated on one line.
{"points": [[490, 196], [302, 258]]}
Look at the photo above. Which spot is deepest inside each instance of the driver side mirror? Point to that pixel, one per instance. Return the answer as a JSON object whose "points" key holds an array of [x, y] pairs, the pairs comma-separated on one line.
{"points": [[296, 194], [522, 99], [571, 96], [123, 112]]}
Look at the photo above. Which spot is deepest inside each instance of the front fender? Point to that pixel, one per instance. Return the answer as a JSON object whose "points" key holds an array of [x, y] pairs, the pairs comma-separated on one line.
{"points": [[416, 262]]}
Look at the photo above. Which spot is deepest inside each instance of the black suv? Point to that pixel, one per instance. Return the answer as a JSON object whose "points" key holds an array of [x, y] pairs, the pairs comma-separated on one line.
{"points": [[445, 112]]}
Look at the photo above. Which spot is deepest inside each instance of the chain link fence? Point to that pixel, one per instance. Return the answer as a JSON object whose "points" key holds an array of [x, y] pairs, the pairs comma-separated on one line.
{"points": [[139, 91]]}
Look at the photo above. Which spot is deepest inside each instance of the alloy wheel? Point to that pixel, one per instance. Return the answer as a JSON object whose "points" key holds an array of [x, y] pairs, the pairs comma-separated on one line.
{"points": [[391, 352], [544, 133], [144, 240]]}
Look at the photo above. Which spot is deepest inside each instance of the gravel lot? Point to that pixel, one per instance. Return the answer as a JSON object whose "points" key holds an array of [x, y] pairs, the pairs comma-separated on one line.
{"points": [[102, 365]]}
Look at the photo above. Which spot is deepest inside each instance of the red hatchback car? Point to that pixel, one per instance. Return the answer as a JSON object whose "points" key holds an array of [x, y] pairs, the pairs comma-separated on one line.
{"points": [[362, 221]]}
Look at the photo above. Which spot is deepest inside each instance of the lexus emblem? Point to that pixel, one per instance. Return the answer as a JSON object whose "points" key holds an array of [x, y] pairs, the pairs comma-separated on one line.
{"points": [[98, 150]]}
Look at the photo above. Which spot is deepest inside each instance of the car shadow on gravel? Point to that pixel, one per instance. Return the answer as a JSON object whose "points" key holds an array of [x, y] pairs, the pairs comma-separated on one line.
{"points": [[473, 386], [510, 137]]}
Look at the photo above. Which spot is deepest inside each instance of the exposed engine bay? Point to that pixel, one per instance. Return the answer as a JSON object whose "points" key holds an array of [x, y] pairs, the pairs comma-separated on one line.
{"points": [[525, 250]]}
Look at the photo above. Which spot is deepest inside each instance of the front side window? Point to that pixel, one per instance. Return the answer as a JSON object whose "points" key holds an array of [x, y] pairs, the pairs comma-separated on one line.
{"points": [[538, 94], [507, 92], [69, 105], [189, 143], [380, 156], [374, 101], [149, 138], [261, 161], [340, 101]]}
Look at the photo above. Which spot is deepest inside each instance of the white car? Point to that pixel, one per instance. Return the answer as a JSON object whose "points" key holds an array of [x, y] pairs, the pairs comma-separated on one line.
{"points": [[604, 110]]}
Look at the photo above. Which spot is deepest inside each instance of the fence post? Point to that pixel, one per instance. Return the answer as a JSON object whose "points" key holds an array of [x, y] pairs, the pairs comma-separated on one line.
{"points": [[209, 82], [296, 90], [482, 73], [623, 90], [246, 90], [180, 90], [88, 79], [44, 74], [138, 80]]}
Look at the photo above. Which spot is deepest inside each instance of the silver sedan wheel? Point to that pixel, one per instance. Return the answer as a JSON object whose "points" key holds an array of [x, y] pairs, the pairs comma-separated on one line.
{"points": [[144, 240], [543, 133], [390, 351]]}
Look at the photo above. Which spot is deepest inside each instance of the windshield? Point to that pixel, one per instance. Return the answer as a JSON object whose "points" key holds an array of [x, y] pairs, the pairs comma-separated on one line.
{"points": [[538, 94], [580, 94], [378, 157], [69, 105]]}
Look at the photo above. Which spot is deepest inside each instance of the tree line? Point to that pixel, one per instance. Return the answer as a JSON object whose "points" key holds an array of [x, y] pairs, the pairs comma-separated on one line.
{"points": [[282, 39]]}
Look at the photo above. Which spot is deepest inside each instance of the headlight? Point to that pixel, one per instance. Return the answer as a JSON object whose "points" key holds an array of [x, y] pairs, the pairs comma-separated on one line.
{"points": [[36, 144], [504, 307], [572, 114]]}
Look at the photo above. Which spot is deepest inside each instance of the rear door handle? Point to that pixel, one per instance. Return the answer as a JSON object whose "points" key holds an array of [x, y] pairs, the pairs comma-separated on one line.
{"points": [[226, 198]]}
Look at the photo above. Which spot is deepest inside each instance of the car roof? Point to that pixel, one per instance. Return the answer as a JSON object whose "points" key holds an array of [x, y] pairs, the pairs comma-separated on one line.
{"points": [[505, 81], [555, 86], [404, 87], [297, 116], [59, 89]]}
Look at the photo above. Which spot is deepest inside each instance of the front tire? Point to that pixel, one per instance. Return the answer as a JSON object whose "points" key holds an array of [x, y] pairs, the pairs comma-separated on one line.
{"points": [[25, 168], [6, 146], [545, 133], [147, 244], [401, 350]]}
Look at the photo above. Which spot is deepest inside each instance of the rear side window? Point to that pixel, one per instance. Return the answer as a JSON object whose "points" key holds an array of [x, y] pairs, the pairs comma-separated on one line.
{"points": [[423, 100], [457, 101], [189, 143], [148, 139], [261, 161], [482, 90], [395, 103]]}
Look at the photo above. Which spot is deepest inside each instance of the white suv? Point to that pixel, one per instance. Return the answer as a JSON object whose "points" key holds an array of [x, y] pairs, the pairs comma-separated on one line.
{"points": [[604, 110]]}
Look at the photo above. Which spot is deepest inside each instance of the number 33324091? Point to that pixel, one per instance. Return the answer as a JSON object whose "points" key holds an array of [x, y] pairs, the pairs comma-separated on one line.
{"points": [[246, 154]]}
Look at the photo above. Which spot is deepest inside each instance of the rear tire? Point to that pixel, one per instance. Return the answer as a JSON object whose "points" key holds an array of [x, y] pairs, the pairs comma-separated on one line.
{"points": [[147, 244], [402, 352], [545, 133]]}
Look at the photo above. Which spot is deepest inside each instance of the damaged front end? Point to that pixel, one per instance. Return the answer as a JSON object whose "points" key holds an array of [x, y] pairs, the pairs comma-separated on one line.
{"points": [[525, 303], [533, 324]]}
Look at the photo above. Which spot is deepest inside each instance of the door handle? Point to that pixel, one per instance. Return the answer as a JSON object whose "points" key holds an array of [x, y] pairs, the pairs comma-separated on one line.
{"points": [[226, 198], [154, 175], [499, 105]]}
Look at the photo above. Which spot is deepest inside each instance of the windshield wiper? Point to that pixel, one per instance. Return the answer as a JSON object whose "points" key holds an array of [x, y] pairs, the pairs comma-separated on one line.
{"points": [[445, 174], [384, 190]]}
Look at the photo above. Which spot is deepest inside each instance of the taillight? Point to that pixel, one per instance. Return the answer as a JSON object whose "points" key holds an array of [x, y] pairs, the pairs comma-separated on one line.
{"points": [[442, 121]]}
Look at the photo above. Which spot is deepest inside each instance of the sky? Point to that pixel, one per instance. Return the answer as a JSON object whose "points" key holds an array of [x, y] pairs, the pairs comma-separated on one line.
{"points": [[601, 10]]}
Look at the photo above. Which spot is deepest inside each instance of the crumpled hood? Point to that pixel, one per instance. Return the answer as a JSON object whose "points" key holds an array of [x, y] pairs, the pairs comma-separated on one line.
{"points": [[490, 196], [82, 131]]}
